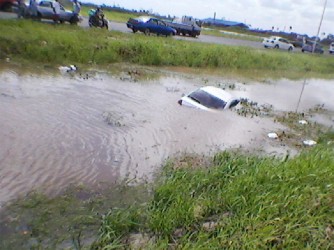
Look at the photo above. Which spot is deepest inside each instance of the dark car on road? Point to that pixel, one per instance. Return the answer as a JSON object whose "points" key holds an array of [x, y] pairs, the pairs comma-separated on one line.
{"points": [[148, 25], [309, 48]]}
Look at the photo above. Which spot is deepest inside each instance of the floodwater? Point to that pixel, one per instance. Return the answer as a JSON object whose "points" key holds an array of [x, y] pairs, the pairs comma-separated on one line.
{"points": [[56, 129]]}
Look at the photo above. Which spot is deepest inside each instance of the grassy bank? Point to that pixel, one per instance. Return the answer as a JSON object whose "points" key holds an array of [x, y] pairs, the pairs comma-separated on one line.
{"points": [[61, 44], [231, 201], [239, 202], [231, 34]]}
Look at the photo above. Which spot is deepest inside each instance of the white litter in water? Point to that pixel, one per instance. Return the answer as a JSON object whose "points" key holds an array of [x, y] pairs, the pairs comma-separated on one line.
{"points": [[272, 135], [67, 69], [309, 142], [303, 122]]}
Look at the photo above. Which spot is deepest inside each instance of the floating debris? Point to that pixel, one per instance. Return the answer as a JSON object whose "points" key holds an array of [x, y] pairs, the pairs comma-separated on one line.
{"points": [[252, 109], [112, 119], [172, 89], [302, 122], [272, 135]]}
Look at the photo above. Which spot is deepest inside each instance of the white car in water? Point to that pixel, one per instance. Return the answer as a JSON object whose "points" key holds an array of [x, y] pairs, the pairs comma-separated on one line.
{"points": [[277, 42], [209, 98]]}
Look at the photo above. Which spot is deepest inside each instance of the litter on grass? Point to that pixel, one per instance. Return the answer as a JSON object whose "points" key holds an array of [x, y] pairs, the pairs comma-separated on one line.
{"points": [[309, 142], [303, 122], [68, 69]]}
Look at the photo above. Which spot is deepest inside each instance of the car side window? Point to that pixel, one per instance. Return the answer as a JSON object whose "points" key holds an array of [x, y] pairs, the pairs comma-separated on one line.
{"points": [[153, 21], [45, 4], [161, 23]]}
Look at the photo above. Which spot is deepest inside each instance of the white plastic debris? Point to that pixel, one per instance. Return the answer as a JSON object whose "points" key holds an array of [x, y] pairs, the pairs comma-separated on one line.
{"points": [[309, 142], [272, 135], [67, 69], [303, 122]]}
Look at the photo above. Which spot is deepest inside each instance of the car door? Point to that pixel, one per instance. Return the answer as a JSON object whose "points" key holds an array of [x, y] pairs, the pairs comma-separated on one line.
{"points": [[284, 44], [64, 15], [153, 25], [45, 9], [162, 28]]}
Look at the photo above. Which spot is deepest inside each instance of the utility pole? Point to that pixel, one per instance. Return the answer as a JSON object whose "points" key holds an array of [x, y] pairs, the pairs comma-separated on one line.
{"points": [[322, 16]]}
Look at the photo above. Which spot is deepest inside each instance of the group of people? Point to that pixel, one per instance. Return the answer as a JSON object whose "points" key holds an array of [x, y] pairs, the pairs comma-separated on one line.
{"points": [[32, 9]]}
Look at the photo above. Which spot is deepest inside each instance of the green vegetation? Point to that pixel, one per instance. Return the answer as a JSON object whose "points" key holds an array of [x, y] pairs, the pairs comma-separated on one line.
{"points": [[233, 32], [59, 44], [238, 202]]}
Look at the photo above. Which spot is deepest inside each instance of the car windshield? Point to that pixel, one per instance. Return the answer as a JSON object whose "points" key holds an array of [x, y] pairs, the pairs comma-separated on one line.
{"points": [[207, 99]]}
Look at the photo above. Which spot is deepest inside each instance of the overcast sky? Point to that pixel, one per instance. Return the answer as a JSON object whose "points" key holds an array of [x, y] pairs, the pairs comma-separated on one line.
{"points": [[303, 15]]}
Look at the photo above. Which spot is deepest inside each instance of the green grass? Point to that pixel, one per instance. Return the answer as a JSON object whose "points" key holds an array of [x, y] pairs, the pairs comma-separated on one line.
{"points": [[59, 44], [251, 203], [232, 34]]}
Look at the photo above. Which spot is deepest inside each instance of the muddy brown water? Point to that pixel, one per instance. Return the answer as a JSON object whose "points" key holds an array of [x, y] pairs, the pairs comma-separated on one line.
{"points": [[57, 129]]}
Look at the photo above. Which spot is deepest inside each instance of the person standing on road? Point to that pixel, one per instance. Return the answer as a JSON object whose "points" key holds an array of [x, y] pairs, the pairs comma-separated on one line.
{"points": [[56, 11], [33, 8], [76, 7], [21, 8]]}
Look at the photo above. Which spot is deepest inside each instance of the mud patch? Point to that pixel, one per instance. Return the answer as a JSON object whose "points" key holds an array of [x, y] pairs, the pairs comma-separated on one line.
{"points": [[70, 220]]}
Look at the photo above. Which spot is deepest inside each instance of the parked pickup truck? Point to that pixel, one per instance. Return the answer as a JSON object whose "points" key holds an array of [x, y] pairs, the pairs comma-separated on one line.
{"points": [[186, 26]]}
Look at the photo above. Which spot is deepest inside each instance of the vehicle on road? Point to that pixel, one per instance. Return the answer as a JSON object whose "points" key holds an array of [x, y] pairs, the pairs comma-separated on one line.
{"points": [[297, 43], [148, 25], [309, 48], [6, 5], [331, 48], [277, 42], [45, 11], [185, 26], [96, 19], [209, 98]]}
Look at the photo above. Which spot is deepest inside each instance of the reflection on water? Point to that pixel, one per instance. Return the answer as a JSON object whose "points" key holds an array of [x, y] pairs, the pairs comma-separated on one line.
{"points": [[56, 130]]}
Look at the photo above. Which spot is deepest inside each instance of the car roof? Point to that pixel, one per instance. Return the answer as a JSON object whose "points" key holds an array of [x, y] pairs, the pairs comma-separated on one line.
{"points": [[218, 92], [143, 18]]}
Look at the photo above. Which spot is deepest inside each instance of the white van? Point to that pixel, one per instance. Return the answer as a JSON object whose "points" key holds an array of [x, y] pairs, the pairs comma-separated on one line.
{"points": [[331, 48]]}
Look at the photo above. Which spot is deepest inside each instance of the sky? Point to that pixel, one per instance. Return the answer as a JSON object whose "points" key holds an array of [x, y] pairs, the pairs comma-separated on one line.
{"points": [[303, 16]]}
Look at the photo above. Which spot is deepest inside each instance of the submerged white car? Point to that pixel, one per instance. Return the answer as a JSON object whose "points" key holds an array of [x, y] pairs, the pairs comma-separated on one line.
{"points": [[209, 98], [277, 42]]}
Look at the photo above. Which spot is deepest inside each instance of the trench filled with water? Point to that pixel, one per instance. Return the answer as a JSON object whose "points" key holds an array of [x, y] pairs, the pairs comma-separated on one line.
{"points": [[59, 129]]}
